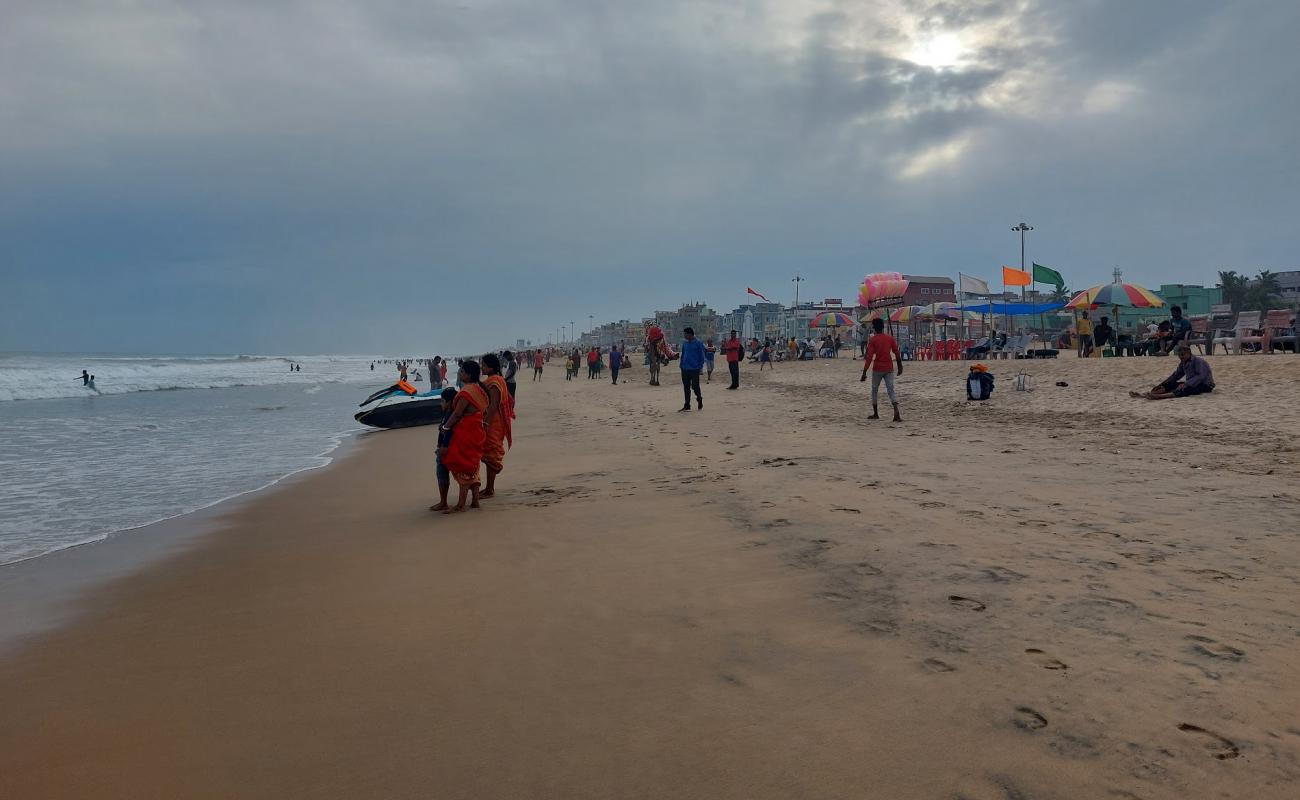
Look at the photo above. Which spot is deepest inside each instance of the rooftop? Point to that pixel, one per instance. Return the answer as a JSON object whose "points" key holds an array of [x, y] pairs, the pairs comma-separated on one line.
{"points": [[929, 279]]}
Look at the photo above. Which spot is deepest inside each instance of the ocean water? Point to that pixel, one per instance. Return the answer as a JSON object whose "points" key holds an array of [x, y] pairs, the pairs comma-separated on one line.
{"points": [[165, 436]]}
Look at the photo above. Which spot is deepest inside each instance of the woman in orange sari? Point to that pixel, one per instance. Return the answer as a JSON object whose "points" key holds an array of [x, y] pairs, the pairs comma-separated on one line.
{"points": [[468, 434], [496, 421]]}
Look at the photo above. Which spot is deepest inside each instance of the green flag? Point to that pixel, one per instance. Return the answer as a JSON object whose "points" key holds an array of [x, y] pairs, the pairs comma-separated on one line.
{"points": [[1047, 275]]}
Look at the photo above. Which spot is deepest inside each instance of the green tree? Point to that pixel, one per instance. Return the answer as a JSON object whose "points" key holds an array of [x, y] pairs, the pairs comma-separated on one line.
{"points": [[1263, 293], [1234, 289], [1061, 294]]}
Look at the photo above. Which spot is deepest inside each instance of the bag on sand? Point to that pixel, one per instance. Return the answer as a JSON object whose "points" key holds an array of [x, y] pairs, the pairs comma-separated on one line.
{"points": [[979, 385]]}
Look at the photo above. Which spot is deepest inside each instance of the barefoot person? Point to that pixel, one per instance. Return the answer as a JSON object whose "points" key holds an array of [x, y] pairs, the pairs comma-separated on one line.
{"points": [[1192, 377], [440, 452], [465, 450], [882, 352], [496, 421]]}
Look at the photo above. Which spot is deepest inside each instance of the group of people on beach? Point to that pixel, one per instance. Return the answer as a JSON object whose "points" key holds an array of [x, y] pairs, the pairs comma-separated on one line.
{"points": [[476, 431], [1154, 339]]}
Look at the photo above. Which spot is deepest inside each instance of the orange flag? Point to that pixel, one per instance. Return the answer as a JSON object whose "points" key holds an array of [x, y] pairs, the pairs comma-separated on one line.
{"points": [[1015, 277]]}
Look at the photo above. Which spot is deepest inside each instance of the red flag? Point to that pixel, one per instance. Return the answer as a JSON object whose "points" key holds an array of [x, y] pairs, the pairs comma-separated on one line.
{"points": [[756, 294]]}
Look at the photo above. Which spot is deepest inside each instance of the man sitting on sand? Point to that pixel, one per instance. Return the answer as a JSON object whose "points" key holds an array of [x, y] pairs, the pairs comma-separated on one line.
{"points": [[1193, 376]]}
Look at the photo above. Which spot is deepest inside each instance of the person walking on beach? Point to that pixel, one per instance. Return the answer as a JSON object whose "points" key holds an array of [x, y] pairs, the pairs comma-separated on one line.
{"points": [[709, 353], [465, 449], [440, 452], [592, 356], [496, 421], [734, 350], [512, 368], [765, 356], [615, 364], [85, 378], [882, 352], [692, 361], [539, 361]]}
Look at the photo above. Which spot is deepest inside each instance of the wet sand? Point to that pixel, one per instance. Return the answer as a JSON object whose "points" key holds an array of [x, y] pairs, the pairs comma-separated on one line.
{"points": [[1062, 593]]}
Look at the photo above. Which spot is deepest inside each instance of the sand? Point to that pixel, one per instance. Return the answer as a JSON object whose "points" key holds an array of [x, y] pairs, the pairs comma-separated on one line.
{"points": [[1061, 593]]}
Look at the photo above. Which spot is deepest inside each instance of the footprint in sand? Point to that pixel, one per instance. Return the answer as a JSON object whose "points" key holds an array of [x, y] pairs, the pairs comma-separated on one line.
{"points": [[1208, 647], [846, 510], [935, 665], [1028, 719], [834, 597], [1218, 746], [933, 504], [966, 602], [1044, 660], [1216, 575]]}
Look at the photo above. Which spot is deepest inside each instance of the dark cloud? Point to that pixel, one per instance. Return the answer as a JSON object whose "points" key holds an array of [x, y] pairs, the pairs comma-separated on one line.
{"points": [[312, 175]]}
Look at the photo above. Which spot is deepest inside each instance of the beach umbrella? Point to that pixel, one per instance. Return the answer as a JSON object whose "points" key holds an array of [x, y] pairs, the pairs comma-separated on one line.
{"points": [[1115, 295], [831, 319], [907, 314], [1128, 295]]}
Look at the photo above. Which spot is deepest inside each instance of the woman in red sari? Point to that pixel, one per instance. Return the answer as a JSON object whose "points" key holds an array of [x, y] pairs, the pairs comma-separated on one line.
{"points": [[468, 434], [496, 421]]}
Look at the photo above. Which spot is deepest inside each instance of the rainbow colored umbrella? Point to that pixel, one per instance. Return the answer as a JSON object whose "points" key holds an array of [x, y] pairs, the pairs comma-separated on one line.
{"points": [[831, 319], [1128, 295]]}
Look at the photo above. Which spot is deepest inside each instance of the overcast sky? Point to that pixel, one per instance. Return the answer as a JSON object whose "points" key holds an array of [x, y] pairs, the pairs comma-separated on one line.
{"points": [[383, 176]]}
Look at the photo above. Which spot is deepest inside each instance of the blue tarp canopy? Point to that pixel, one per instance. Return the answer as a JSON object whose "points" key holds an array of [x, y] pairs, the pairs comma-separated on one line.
{"points": [[1013, 309]]}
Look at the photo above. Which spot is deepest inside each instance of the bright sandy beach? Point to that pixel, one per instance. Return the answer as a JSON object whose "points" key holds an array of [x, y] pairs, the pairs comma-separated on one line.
{"points": [[1059, 594]]}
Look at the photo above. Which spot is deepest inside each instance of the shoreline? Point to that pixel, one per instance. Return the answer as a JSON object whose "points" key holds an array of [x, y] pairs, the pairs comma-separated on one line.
{"points": [[44, 587], [769, 599]]}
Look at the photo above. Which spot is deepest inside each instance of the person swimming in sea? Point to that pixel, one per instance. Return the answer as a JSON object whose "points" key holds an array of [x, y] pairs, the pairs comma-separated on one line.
{"points": [[85, 378], [91, 384]]}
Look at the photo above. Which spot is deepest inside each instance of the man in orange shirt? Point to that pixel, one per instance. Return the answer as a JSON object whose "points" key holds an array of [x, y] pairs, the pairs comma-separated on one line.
{"points": [[882, 352], [734, 350]]}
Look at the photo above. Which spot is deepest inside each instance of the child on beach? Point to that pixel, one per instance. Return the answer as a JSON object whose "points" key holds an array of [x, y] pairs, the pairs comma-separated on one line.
{"points": [[710, 352], [440, 450]]}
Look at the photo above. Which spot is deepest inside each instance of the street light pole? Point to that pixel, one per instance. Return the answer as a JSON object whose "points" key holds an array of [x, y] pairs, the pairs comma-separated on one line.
{"points": [[796, 280], [1022, 228]]}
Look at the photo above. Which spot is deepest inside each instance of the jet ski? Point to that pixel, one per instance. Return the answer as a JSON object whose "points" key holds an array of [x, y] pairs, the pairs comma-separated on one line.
{"points": [[400, 406]]}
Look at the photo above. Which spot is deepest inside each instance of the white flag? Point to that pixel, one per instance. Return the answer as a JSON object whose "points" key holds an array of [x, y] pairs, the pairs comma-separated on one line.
{"points": [[973, 285]]}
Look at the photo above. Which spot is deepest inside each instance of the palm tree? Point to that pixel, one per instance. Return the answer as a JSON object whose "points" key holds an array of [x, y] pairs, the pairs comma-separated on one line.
{"points": [[1061, 295], [1263, 292], [1234, 288]]}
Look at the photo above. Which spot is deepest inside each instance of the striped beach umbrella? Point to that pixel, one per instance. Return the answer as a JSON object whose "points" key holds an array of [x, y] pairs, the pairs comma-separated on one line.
{"points": [[831, 319], [1126, 295]]}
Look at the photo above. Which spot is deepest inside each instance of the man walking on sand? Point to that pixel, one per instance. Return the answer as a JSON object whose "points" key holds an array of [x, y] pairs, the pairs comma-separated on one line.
{"points": [[882, 352], [692, 361], [734, 351]]}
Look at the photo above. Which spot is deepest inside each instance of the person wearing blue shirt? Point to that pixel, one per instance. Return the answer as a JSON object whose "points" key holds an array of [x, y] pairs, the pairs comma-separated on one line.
{"points": [[615, 362], [692, 361]]}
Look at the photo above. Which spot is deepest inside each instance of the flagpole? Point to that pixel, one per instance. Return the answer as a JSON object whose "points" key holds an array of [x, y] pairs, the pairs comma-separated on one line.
{"points": [[961, 309]]}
